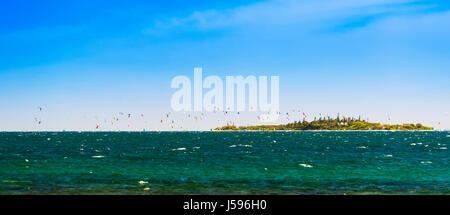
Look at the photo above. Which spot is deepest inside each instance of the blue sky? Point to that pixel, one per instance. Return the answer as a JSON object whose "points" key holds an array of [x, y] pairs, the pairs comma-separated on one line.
{"points": [[86, 61]]}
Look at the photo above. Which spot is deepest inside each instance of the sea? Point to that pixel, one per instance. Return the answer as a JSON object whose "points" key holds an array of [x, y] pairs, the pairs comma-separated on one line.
{"points": [[265, 162]]}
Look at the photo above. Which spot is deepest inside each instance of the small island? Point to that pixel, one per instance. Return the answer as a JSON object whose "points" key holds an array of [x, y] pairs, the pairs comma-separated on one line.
{"points": [[329, 124]]}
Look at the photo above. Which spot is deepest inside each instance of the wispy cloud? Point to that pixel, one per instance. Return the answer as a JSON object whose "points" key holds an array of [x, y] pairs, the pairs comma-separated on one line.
{"points": [[285, 12], [437, 23]]}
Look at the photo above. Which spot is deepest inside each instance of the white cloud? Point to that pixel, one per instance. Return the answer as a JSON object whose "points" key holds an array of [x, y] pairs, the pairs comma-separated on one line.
{"points": [[284, 12], [437, 23]]}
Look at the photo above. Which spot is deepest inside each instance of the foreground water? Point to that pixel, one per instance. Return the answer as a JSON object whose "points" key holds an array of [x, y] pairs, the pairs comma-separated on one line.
{"points": [[225, 163]]}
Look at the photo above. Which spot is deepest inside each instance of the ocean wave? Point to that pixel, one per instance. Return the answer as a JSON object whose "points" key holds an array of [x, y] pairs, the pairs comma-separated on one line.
{"points": [[305, 165]]}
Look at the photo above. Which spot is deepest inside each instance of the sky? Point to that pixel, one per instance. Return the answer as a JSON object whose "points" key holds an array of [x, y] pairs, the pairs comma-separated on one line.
{"points": [[85, 62]]}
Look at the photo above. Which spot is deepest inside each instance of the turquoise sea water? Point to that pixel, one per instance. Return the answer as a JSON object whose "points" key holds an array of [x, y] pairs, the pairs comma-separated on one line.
{"points": [[224, 163]]}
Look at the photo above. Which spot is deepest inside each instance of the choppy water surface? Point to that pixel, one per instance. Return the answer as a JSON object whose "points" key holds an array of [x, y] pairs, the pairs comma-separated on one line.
{"points": [[225, 163]]}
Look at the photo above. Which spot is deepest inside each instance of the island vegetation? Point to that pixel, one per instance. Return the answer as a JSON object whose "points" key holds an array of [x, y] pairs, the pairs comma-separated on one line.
{"points": [[328, 124]]}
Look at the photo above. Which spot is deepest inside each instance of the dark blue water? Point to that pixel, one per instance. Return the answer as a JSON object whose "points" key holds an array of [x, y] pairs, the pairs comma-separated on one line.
{"points": [[225, 163]]}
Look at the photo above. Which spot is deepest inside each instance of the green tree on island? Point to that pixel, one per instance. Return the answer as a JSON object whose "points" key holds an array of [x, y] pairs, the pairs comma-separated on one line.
{"points": [[351, 124]]}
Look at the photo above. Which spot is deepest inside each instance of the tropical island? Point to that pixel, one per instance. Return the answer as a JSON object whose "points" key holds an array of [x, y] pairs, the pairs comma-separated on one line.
{"points": [[329, 124]]}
